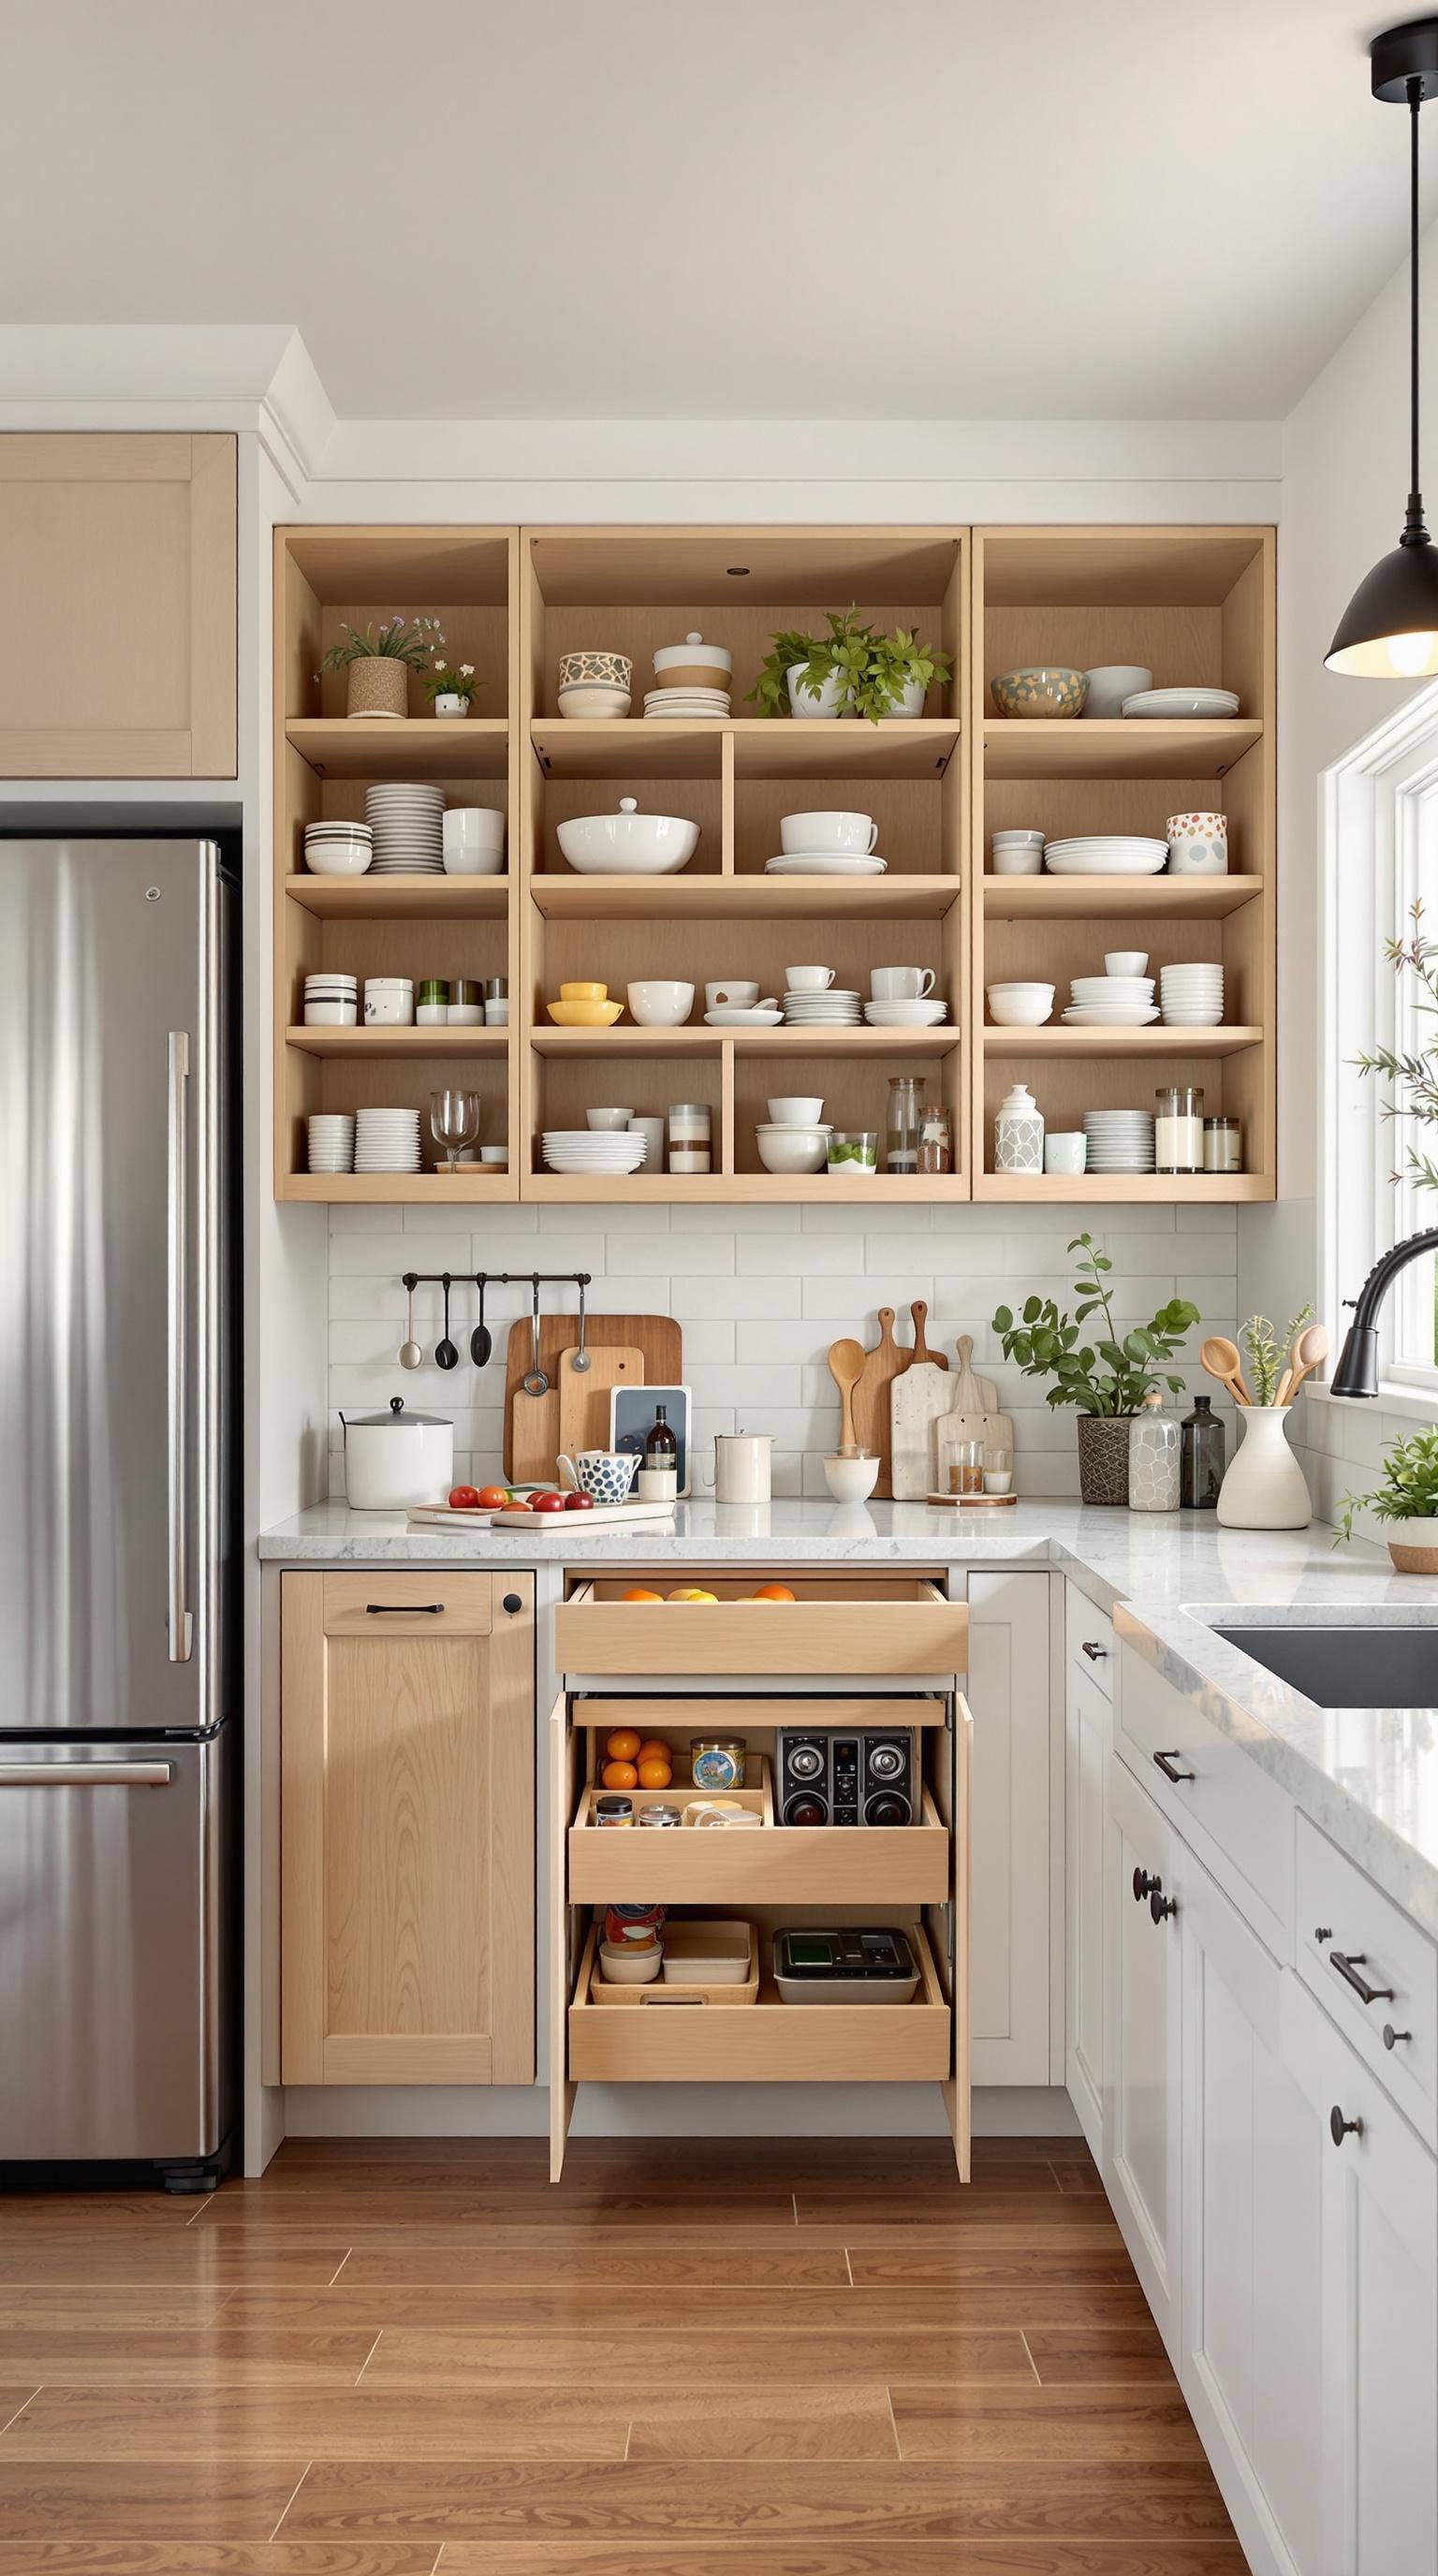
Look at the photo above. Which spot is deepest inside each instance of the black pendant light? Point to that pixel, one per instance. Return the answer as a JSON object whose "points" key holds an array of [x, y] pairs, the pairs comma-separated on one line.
{"points": [[1389, 630]]}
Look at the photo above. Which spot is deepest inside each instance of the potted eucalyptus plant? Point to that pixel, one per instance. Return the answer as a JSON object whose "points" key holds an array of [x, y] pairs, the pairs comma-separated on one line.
{"points": [[380, 660], [1108, 1378], [1408, 1497], [850, 671]]}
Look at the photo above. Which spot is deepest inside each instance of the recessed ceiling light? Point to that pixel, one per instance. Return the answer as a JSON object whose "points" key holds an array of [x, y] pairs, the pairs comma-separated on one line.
{"points": [[737, 572]]}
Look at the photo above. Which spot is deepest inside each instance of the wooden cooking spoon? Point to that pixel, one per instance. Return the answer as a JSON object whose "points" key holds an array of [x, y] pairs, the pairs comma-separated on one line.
{"points": [[1309, 1352], [1223, 1360], [846, 1367]]}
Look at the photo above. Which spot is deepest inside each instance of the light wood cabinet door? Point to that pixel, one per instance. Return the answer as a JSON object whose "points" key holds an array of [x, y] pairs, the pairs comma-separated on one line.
{"points": [[1142, 2032], [407, 1785], [117, 629]]}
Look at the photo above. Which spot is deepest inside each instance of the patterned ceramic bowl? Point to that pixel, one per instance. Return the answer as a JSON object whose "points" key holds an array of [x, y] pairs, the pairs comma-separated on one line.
{"points": [[603, 670], [1045, 690]]}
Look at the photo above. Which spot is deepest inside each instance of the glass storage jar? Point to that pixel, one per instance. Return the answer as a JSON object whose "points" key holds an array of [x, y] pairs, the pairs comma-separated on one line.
{"points": [[1222, 1145], [901, 1126], [1178, 1129]]}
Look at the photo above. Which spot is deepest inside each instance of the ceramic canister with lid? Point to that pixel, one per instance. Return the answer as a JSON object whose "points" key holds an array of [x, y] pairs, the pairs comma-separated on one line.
{"points": [[693, 664], [1019, 1132], [396, 1460]]}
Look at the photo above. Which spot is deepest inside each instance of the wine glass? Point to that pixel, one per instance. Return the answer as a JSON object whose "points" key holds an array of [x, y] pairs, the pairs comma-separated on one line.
{"points": [[454, 1121]]}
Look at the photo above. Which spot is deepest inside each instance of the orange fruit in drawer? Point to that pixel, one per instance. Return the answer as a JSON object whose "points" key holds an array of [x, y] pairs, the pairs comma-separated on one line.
{"points": [[654, 1749], [656, 1775], [620, 1775], [639, 1592], [775, 1592], [623, 1745]]}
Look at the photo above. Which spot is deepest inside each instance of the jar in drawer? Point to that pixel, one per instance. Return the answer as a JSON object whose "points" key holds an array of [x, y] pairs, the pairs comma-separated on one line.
{"points": [[717, 1761]]}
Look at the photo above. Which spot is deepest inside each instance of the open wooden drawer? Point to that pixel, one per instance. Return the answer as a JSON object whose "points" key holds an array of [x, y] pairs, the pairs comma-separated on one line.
{"points": [[769, 2042], [778, 1865], [873, 1623]]}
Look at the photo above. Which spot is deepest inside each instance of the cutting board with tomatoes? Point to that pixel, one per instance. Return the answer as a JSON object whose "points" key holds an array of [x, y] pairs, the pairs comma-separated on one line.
{"points": [[657, 1337]]}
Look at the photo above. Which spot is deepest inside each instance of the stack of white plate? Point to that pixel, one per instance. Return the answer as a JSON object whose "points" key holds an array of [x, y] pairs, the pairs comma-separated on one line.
{"points": [[905, 1015], [1119, 1140], [338, 849], [1106, 854], [1182, 705], [408, 826], [1111, 1002], [1192, 996], [577, 1149], [694, 706], [827, 863], [733, 1015], [831, 1010], [331, 1143], [387, 1140], [331, 1001]]}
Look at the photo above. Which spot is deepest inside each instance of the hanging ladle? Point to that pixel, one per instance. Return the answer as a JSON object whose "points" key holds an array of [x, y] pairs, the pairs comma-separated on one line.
{"points": [[481, 1340], [446, 1356], [534, 1380], [410, 1354]]}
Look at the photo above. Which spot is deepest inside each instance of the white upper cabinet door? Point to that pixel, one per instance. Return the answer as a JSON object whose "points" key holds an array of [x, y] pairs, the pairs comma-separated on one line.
{"points": [[1008, 1690], [1142, 2027]]}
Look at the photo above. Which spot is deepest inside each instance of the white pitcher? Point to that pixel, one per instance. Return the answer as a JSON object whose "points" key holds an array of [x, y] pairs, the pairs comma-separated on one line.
{"points": [[741, 1466], [1264, 1487]]}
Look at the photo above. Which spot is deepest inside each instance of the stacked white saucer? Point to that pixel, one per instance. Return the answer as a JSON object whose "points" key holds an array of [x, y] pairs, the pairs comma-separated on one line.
{"points": [[581, 1149], [827, 863], [1119, 1140], [1106, 854], [905, 1015], [826, 1010], [1192, 996], [331, 1143], [693, 706], [407, 821], [1182, 706], [387, 1140], [1111, 1002]]}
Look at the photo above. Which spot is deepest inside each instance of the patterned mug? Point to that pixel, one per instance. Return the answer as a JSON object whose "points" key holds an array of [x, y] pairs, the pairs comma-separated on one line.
{"points": [[604, 1474]]}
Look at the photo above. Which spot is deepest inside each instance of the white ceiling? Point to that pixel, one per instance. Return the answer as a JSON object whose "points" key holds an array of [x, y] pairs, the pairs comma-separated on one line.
{"points": [[761, 209]]}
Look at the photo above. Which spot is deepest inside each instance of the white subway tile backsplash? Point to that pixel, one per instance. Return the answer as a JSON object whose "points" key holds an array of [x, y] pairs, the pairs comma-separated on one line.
{"points": [[679, 1256], [702, 1299]]}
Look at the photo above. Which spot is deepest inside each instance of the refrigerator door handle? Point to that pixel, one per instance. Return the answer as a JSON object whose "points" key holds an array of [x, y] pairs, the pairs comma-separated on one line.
{"points": [[181, 1624], [85, 1775]]}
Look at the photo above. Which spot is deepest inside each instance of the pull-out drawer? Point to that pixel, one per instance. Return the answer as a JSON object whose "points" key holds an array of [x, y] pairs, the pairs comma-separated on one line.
{"points": [[399, 1604], [775, 1865], [1200, 1777], [687, 2042], [874, 1623], [1089, 1640], [1373, 1971]]}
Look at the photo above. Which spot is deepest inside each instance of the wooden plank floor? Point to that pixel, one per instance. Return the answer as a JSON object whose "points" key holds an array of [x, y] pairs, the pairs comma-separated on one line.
{"points": [[780, 2359]]}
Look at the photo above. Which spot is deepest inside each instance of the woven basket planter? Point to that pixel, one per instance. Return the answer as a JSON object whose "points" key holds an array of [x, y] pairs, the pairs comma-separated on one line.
{"points": [[379, 686], [1103, 1457]]}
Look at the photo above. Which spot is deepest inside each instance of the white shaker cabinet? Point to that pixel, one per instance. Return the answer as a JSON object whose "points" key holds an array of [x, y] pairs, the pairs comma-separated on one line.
{"points": [[1088, 1729], [1008, 1690], [1378, 2456], [1142, 2032]]}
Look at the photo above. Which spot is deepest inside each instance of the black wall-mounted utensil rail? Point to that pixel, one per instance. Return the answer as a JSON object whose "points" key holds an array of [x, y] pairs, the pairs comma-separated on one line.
{"points": [[497, 1278]]}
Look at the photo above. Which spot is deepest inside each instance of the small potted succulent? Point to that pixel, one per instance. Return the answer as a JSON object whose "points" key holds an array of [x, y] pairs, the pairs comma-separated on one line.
{"points": [[380, 660], [1408, 1496], [850, 671], [1107, 1379], [449, 690]]}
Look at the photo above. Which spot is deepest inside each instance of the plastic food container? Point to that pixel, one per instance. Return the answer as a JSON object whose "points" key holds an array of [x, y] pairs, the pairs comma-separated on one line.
{"points": [[708, 1954], [717, 1761], [620, 1965]]}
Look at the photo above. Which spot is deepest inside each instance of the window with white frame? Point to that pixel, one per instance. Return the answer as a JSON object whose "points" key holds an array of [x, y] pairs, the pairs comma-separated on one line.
{"points": [[1380, 857]]}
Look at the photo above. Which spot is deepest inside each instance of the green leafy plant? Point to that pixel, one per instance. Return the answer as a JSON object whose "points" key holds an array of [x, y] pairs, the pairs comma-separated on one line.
{"points": [[1267, 1358], [440, 681], [872, 670], [1109, 1375], [411, 640], [1409, 1491], [1415, 1071]]}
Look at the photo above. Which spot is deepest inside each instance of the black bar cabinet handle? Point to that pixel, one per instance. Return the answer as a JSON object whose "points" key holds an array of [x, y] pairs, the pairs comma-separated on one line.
{"points": [[1348, 1965], [1339, 2128], [404, 1609], [1096, 1653], [1166, 1762]]}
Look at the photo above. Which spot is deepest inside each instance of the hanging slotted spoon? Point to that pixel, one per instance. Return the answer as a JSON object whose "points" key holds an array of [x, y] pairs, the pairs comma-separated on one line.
{"points": [[581, 1360]]}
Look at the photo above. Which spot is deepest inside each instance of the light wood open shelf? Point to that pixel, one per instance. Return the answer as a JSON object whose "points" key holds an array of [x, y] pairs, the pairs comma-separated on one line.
{"points": [[1196, 605], [1125, 1189], [473, 1181]]}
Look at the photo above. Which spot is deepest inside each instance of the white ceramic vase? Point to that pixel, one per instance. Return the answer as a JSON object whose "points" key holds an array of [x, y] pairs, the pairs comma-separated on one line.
{"points": [[1264, 1486], [1153, 1459], [910, 700], [1019, 1132], [450, 703], [826, 700]]}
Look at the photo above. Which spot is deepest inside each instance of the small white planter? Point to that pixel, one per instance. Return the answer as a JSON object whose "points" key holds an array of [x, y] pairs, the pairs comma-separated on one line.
{"points": [[1413, 1546], [910, 701], [450, 703], [826, 700], [1264, 1487]]}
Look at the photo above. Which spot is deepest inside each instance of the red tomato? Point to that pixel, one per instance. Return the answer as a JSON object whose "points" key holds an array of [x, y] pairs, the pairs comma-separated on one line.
{"points": [[464, 1498], [579, 1502], [520, 1503], [493, 1497], [547, 1503]]}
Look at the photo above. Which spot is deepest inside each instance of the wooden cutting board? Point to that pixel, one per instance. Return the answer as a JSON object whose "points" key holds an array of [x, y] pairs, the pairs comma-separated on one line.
{"points": [[657, 1336], [972, 1394], [533, 1444], [584, 1399], [882, 1365], [975, 1415], [918, 1399]]}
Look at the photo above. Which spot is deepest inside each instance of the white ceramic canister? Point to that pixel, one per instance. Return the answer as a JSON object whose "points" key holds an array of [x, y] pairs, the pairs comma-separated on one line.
{"points": [[741, 1472], [396, 1460], [1197, 845], [1264, 1487], [1019, 1132], [1153, 1458]]}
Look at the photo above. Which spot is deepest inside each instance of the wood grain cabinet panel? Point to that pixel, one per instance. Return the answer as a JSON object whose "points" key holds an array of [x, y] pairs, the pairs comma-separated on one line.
{"points": [[408, 1829], [117, 634]]}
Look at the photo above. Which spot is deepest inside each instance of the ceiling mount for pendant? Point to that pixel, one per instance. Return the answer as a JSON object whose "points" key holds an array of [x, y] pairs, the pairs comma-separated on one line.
{"points": [[1402, 55]]}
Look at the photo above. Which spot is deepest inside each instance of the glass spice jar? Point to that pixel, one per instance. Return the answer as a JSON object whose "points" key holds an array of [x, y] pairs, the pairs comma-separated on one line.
{"points": [[1222, 1145], [936, 1139]]}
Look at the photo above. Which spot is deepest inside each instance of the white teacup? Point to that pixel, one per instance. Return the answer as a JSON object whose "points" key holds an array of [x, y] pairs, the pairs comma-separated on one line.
{"points": [[606, 1474], [731, 996], [840, 834], [902, 983], [1065, 1150], [809, 979], [607, 1122], [1125, 961], [473, 840]]}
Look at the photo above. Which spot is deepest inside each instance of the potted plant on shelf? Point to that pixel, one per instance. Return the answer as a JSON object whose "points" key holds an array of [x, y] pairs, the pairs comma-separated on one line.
{"points": [[1408, 1496], [1107, 1379], [850, 671], [449, 691], [380, 660]]}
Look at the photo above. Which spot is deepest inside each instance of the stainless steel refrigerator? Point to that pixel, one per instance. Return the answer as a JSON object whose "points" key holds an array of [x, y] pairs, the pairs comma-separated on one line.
{"points": [[118, 1400]]}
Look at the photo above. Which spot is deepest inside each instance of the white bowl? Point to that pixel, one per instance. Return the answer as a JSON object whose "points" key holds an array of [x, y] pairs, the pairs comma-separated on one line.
{"points": [[338, 858], [1111, 683], [792, 1149], [661, 1003], [1125, 961], [851, 1480], [592, 699], [628, 844], [621, 1966], [331, 1015], [494, 1154], [473, 863], [1020, 1006], [608, 1122], [1014, 834], [843, 834], [1021, 859], [805, 1112]]}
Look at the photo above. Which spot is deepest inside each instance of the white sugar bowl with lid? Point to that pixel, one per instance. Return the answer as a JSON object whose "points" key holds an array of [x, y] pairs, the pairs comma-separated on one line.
{"points": [[1019, 1132], [396, 1460], [693, 664]]}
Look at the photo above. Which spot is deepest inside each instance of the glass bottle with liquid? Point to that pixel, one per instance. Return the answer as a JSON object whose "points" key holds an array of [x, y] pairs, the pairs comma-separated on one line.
{"points": [[904, 1121], [1202, 1457], [660, 1475]]}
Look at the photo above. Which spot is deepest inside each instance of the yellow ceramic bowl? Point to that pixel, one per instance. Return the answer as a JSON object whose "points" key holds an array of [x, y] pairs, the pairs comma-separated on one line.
{"points": [[584, 1015], [584, 992]]}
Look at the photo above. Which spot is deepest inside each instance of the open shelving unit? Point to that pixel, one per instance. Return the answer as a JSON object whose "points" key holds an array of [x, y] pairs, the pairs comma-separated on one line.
{"points": [[1193, 604]]}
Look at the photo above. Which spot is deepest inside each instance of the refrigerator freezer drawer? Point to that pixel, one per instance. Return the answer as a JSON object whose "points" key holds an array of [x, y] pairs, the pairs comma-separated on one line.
{"points": [[112, 1897]]}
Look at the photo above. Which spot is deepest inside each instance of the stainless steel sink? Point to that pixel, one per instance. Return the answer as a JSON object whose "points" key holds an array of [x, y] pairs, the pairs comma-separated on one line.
{"points": [[1373, 1666]]}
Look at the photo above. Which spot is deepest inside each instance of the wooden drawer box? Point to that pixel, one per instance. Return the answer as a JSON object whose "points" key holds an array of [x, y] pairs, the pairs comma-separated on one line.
{"points": [[875, 1624], [1381, 1947], [1200, 1777], [778, 1865], [769, 2042]]}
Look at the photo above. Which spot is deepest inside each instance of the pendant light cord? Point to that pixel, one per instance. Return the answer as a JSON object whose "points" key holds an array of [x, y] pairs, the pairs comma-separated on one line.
{"points": [[1414, 532]]}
